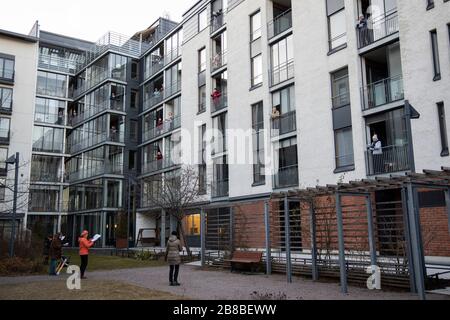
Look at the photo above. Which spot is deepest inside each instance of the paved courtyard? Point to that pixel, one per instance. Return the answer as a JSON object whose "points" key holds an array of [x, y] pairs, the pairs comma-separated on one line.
{"points": [[223, 285]]}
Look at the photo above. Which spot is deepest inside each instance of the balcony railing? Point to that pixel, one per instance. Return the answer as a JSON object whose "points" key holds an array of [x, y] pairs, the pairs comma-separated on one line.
{"points": [[116, 169], [383, 92], [92, 110], [174, 88], [286, 177], [172, 55], [45, 176], [217, 21], [157, 165], [60, 64], [282, 73], [390, 159], [166, 127], [153, 99], [218, 61], [284, 124], [97, 75], [280, 24], [95, 139], [156, 67], [50, 118], [220, 189], [219, 103], [378, 28]]}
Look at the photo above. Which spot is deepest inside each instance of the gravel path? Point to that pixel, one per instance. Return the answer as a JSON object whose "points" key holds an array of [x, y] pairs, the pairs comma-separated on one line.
{"points": [[223, 285]]}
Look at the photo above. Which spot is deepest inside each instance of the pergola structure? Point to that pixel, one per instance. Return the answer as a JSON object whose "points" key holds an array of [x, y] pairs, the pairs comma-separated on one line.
{"points": [[349, 227]]}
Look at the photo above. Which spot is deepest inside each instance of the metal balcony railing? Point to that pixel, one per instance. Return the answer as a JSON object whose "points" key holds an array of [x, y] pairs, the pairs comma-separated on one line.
{"points": [[45, 176], [219, 103], [217, 21], [378, 28], [383, 92], [281, 73], [280, 24], [218, 61], [168, 126], [172, 89], [116, 169], [92, 110], [172, 55], [284, 124], [156, 67], [55, 63], [95, 139], [220, 189], [286, 177], [153, 99], [52, 91], [390, 159], [50, 118], [157, 165]]}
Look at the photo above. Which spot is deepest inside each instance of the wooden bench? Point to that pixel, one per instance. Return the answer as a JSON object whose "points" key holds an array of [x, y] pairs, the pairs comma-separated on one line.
{"points": [[250, 258]]}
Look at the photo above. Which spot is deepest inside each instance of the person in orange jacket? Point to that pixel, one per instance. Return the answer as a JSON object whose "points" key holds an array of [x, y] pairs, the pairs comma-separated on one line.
{"points": [[85, 245]]}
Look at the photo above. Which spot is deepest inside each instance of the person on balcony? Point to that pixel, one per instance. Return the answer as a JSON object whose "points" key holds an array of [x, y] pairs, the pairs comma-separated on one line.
{"points": [[216, 97], [159, 159], [376, 148], [216, 61], [156, 93], [169, 120], [159, 126], [276, 118], [113, 133], [363, 31]]}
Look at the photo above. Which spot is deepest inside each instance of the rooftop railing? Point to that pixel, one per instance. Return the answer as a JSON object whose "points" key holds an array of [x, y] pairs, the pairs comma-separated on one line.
{"points": [[280, 24], [383, 92]]}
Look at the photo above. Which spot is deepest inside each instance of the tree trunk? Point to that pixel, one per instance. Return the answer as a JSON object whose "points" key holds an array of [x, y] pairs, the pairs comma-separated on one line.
{"points": [[183, 236]]}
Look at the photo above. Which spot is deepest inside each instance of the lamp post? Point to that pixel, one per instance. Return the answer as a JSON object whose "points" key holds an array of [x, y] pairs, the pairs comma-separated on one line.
{"points": [[15, 161]]}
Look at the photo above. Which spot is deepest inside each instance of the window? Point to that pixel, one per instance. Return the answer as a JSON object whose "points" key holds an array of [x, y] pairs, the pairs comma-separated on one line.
{"points": [[51, 84], [258, 144], [435, 48], [255, 25], [443, 130], [49, 111], [6, 96], [132, 160], [284, 100], [134, 99], [282, 56], [202, 99], [340, 88], [3, 158], [133, 130], [344, 147], [337, 31], [220, 125], [2, 189], [257, 72], [45, 169], [192, 225], [202, 20], [134, 70], [48, 139], [202, 60], [6, 69], [202, 161], [4, 128]]}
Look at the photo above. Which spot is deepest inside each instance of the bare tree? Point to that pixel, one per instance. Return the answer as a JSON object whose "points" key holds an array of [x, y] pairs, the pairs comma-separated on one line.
{"points": [[175, 193]]}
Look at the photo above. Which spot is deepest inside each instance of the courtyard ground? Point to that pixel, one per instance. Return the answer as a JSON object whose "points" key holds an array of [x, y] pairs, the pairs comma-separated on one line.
{"points": [[152, 283]]}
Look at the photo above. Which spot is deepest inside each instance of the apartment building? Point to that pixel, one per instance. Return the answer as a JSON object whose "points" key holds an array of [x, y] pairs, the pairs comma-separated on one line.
{"points": [[18, 65], [260, 96]]}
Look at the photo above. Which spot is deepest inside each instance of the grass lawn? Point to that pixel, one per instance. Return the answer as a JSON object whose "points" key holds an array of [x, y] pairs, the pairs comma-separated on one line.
{"points": [[90, 290], [100, 262]]}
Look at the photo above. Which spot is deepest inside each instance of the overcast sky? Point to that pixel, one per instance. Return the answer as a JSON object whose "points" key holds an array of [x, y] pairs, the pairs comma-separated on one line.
{"points": [[88, 19]]}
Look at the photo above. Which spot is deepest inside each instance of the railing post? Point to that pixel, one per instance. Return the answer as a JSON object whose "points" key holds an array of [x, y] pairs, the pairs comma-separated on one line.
{"points": [[268, 244], [287, 240], [340, 225], [372, 243], [203, 237], [312, 217], [447, 202]]}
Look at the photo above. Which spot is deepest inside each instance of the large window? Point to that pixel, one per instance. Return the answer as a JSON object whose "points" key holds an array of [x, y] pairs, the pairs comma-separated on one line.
{"points": [[220, 124], [258, 144], [4, 128], [45, 169], [344, 147], [436, 62], [49, 111], [6, 69], [282, 55], [6, 95], [337, 34], [257, 70], [48, 139], [51, 84], [202, 60]]}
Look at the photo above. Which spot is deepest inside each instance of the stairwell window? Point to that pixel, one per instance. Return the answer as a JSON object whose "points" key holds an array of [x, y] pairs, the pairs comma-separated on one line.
{"points": [[443, 129], [436, 62], [337, 30]]}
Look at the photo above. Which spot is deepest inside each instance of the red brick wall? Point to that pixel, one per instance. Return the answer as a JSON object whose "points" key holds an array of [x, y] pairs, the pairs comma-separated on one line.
{"points": [[435, 233]]}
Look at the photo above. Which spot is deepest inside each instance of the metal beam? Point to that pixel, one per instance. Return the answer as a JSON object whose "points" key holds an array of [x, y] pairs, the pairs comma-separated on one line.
{"points": [[340, 225], [287, 240], [447, 202], [268, 245], [417, 254], [231, 230], [412, 280], [312, 217], [372, 243], [203, 236]]}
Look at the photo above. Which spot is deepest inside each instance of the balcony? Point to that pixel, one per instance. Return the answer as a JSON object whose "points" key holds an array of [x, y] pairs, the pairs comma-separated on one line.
{"points": [[282, 73], [45, 176], [219, 103], [220, 189], [166, 127], [377, 29], [55, 63], [217, 21], [383, 92], [93, 110], [284, 124], [219, 61], [172, 55], [157, 165], [280, 24], [173, 89], [95, 139], [4, 136], [286, 177], [116, 169], [390, 160], [156, 67], [154, 99], [49, 118]]}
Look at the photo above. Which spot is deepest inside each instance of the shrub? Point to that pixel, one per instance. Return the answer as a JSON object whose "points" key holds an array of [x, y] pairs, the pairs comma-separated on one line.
{"points": [[19, 266]]}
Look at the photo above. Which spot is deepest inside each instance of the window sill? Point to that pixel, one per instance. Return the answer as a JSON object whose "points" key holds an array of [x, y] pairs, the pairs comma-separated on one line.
{"points": [[255, 87], [259, 184], [333, 51], [201, 112], [345, 169]]}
